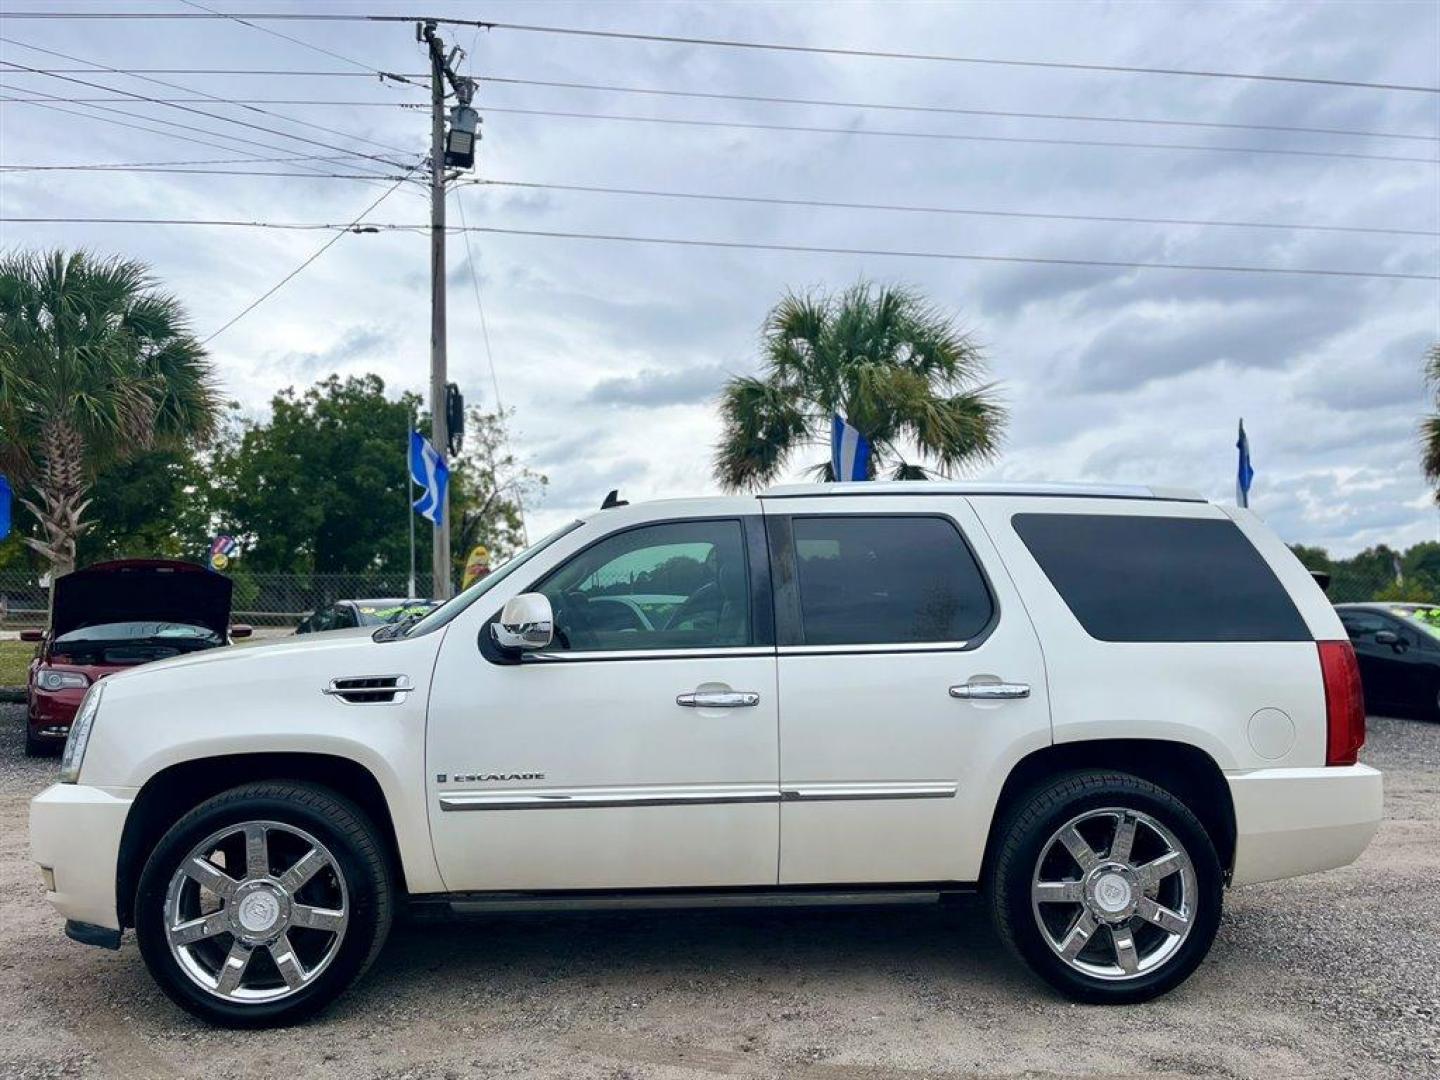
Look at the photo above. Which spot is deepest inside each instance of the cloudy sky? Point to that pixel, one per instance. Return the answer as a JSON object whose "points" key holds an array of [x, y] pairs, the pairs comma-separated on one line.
{"points": [[611, 353]]}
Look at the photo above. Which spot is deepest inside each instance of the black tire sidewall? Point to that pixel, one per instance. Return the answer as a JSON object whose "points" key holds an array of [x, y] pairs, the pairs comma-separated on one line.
{"points": [[1011, 884], [330, 819]]}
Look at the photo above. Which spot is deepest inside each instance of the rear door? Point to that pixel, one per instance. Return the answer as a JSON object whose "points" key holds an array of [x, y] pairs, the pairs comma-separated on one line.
{"points": [[910, 680]]}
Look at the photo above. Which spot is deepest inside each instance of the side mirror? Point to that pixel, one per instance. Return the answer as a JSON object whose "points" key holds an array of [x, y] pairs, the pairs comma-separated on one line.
{"points": [[241, 630], [32, 635], [526, 622], [1389, 637]]}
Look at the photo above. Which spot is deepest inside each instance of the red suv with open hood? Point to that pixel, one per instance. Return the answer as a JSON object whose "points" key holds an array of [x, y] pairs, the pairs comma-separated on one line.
{"points": [[115, 615]]}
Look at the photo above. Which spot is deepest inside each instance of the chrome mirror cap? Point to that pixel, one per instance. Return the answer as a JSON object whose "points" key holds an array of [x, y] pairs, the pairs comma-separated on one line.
{"points": [[526, 622]]}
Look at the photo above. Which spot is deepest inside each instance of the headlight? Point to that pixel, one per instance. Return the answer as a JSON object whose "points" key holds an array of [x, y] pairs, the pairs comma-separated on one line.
{"points": [[50, 679], [80, 735]]}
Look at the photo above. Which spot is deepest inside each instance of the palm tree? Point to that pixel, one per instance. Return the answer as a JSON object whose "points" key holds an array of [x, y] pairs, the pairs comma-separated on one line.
{"points": [[1430, 426], [897, 368], [96, 365]]}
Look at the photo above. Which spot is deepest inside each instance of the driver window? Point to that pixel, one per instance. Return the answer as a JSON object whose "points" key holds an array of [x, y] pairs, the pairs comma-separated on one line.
{"points": [[677, 585]]}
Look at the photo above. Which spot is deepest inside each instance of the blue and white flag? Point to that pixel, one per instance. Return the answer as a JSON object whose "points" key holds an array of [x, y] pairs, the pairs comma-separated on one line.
{"points": [[849, 451], [4, 508], [428, 469], [1243, 472]]}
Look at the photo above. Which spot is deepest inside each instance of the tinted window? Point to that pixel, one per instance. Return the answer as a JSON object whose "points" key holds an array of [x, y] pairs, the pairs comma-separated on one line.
{"points": [[1362, 626], [677, 585], [887, 580], [1132, 578]]}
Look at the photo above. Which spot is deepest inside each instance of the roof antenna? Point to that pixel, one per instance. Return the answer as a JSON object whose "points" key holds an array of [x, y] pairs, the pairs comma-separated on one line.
{"points": [[613, 500]]}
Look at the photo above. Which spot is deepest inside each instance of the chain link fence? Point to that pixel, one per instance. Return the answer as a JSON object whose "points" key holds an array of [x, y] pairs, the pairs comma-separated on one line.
{"points": [[274, 601], [279, 601]]}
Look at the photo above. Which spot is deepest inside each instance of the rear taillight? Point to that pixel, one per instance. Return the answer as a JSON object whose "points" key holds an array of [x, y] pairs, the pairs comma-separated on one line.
{"points": [[1344, 703]]}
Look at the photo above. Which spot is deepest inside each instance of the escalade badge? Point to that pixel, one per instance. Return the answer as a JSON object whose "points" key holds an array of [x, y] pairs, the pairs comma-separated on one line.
{"points": [[486, 778]]}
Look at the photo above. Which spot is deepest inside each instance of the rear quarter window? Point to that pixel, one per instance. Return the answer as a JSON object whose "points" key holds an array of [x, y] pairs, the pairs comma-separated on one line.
{"points": [[1158, 579]]}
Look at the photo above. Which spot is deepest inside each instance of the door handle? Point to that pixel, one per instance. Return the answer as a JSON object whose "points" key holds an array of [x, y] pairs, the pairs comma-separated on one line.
{"points": [[1005, 691], [718, 699]]}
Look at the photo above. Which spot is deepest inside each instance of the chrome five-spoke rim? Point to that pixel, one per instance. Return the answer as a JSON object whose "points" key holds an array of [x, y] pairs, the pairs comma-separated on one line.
{"points": [[1114, 893], [256, 911]]}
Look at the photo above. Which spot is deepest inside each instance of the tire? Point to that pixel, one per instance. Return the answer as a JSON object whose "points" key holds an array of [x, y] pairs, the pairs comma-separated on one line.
{"points": [[1116, 920], [300, 933], [39, 747]]}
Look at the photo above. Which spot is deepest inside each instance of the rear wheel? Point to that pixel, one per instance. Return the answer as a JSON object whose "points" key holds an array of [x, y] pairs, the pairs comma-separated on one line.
{"points": [[1107, 886], [262, 905]]}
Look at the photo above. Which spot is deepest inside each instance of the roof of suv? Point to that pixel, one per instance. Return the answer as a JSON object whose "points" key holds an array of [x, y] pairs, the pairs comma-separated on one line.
{"points": [[968, 487]]}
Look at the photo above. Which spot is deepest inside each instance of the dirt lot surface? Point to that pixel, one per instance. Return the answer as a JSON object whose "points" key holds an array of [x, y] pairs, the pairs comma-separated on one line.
{"points": [[1336, 975]]}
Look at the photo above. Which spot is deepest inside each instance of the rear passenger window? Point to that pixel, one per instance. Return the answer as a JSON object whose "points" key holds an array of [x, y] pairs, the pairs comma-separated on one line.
{"points": [[887, 580], [1129, 578]]}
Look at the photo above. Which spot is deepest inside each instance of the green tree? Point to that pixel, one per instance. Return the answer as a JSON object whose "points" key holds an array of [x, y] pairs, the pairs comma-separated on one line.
{"points": [[153, 505], [899, 369], [490, 488], [96, 365], [321, 486], [1430, 426]]}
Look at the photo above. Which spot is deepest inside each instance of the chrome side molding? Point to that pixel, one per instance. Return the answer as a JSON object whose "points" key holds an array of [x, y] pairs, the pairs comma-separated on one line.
{"points": [[696, 795]]}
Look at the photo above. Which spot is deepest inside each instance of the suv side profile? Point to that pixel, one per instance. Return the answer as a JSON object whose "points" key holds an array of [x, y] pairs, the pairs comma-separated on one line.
{"points": [[1098, 706]]}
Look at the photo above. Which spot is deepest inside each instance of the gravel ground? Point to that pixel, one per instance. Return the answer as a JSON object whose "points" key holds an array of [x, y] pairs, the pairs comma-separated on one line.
{"points": [[1336, 975]]}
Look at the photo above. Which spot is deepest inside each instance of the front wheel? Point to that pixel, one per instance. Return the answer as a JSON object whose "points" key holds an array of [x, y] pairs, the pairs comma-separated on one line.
{"points": [[261, 905], [1107, 886]]}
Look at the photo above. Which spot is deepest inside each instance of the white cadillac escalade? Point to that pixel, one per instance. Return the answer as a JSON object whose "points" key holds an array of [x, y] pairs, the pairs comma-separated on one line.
{"points": [[1098, 706]]}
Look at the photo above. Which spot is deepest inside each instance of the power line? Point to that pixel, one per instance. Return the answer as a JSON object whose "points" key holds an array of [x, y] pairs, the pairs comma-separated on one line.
{"points": [[966, 211], [758, 98], [479, 304], [354, 226], [200, 112], [953, 256], [731, 43], [956, 137], [949, 110], [288, 226], [249, 101], [121, 166], [230, 139], [181, 171], [267, 72], [298, 41]]}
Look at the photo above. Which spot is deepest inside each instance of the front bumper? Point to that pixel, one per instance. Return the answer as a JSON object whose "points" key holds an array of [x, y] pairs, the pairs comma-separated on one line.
{"points": [[75, 834], [1290, 822], [53, 711]]}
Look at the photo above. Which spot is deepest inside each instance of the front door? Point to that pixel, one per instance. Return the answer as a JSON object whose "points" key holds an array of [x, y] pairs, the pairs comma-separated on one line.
{"points": [[910, 680], [639, 751]]}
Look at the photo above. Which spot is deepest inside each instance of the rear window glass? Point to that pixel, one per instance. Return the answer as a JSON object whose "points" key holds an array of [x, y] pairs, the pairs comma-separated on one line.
{"points": [[887, 580], [1129, 578]]}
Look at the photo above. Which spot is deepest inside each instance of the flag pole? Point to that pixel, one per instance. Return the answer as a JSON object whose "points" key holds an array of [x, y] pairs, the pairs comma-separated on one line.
{"points": [[410, 510]]}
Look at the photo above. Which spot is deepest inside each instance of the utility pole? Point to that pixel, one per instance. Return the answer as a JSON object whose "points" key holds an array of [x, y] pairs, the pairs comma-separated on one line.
{"points": [[439, 437], [464, 134]]}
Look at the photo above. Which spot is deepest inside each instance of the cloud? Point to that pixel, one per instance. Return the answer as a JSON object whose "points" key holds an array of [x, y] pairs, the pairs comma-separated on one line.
{"points": [[657, 387], [611, 353]]}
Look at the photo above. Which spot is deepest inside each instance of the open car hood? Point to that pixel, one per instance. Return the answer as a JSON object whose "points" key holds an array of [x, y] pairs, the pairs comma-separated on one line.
{"points": [[128, 590]]}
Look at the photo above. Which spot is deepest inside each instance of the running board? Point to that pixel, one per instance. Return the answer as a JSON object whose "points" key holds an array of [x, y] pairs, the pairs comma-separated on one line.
{"points": [[691, 899]]}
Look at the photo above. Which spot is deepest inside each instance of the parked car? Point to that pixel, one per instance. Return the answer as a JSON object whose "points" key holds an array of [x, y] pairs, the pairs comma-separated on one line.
{"points": [[347, 614], [1398, 647], [112, 616], [1097, 706]]}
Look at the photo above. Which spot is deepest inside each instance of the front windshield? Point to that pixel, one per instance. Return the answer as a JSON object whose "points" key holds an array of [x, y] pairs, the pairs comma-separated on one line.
{"points": [[136, 642], [441, 615]]}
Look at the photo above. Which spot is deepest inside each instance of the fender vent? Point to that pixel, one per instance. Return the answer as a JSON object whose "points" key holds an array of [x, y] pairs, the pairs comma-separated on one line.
{"points": [[370, 689]]}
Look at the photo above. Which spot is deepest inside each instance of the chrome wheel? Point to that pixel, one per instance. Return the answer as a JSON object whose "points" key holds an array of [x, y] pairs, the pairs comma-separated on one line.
{"points": [[1114, 893], [256, 911]]}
